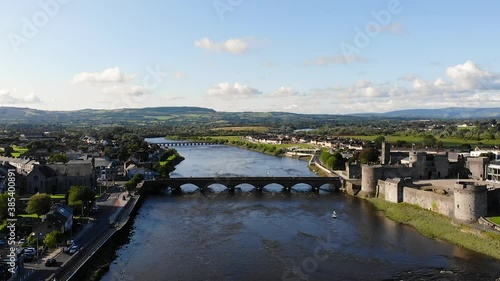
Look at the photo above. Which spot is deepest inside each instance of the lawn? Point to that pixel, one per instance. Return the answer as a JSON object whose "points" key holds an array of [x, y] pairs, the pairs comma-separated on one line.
{"points": [[18, 151], [34, 216], [495, 220], [57, 196]]}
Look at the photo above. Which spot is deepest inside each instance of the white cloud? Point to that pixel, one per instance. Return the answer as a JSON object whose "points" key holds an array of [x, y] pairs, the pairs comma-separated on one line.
{"points": [[233, 46], [236, 90], [179, 75], [284, 92], [129, 90], [108, 75], [469, 76], [338, 59], [6, 97]]}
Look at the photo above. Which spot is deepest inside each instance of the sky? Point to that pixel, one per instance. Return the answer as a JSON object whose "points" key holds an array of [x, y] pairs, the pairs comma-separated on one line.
{"points": [[323, 56]]}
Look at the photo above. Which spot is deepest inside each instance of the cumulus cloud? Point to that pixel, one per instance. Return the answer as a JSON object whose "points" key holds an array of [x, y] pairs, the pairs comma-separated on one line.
{"points": [[6, 97], [338, 59], [129, 90], [285, 92], [461, 79], [109, 75], [236, 90], [469, 76], [233, 46]]}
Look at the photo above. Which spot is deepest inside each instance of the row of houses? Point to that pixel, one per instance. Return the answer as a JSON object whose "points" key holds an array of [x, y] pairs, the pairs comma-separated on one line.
{"points": [[332, 143]]}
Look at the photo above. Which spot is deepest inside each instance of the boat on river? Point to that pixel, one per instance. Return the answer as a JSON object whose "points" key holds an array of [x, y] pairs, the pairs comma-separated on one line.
{"points": [[334, 215]]}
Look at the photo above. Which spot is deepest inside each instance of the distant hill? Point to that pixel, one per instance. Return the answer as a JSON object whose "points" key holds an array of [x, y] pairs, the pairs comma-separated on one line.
{"points": [[442, 113], [200, 115]]}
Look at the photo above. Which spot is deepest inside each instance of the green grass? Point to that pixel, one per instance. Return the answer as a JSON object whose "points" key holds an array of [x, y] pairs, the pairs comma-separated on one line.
{"points": [[437, 226], [57, 196], [238, 138], [34, 216], [417, 140], [244, 128], [18, 151], [495, 219]]}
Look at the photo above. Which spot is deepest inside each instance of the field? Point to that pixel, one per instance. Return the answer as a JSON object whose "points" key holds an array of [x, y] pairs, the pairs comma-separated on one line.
{"points": [[260, 129], [437, 226], [417, 140]]}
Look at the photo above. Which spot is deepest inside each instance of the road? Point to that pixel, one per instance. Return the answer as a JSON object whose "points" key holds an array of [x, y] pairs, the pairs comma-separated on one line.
{"points": [[88, 234]]}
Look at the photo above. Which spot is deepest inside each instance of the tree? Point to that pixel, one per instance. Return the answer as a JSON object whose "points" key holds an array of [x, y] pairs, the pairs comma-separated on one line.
{"points": [[50, 240], [58, 157], [368, 155], [39, 204], [79, 197], [378, 141]]}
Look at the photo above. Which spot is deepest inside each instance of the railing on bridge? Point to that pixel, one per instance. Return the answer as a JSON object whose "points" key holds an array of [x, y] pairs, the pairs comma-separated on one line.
{"points": [[187, 143]]}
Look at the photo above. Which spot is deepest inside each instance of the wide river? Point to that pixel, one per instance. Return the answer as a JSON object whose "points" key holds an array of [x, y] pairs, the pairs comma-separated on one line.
{"points": [[278, 236]]}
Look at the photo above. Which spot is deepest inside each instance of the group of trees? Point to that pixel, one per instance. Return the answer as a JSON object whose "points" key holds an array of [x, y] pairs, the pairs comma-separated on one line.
{"points": [[167, 163], [132, 184], [333, 161]]}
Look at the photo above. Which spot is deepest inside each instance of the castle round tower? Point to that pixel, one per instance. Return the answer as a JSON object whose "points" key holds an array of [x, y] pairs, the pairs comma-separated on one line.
{"points": [[470, 201], [369, 179]]}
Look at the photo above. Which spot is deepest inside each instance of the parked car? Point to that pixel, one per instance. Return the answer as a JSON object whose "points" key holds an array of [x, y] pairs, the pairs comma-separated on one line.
{"points": [[22, 241], [73, 249], [50, 262], [3, 242], [30, 251]]}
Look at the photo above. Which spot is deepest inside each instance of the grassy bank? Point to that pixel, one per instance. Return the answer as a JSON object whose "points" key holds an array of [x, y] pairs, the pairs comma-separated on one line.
{"points": [[437, 226]]}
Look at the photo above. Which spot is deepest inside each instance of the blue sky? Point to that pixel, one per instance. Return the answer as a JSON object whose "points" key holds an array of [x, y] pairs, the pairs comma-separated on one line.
{"points": [[243, 55]]}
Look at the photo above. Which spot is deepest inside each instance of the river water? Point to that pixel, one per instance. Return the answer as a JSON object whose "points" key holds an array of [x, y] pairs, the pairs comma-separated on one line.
{"points": [[278, 236]]}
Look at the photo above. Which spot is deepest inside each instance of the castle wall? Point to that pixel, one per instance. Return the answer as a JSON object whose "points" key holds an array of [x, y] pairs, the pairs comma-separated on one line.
{"points": [[476, 166], [441, 165], [393, 191], [381, 188], [429, 200]]}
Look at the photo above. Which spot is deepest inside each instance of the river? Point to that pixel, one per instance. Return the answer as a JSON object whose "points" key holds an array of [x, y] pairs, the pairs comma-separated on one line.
{"points": [[278, 236]]}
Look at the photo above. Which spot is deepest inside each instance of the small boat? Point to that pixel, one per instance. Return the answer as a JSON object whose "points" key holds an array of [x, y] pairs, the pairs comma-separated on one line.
{"points": [[334, 215]]}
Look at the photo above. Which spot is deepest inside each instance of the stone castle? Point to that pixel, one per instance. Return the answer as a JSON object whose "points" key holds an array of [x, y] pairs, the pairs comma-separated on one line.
{"points": [[412, 180]]}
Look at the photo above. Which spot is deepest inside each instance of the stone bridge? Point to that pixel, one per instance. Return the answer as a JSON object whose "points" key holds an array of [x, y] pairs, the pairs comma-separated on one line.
{"points": [[185, 143], [232, 183]]}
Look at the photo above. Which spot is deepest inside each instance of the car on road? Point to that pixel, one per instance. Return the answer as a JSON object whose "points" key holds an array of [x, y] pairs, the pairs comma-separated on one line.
{"points": [[3, 242], [73, 249], [50, 262], [22, 241], [30, 250]]}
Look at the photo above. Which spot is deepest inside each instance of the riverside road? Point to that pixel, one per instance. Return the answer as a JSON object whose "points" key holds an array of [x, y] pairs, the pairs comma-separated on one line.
{"points": [[96, 227]]}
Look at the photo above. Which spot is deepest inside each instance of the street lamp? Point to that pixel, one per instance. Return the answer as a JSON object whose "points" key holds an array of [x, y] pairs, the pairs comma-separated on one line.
{"points": [[37, 237]]}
